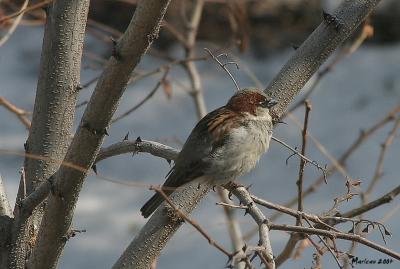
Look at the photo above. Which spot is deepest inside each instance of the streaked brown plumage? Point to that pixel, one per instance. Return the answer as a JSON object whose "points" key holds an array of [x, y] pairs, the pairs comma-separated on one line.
{"points": [[223, 145]]}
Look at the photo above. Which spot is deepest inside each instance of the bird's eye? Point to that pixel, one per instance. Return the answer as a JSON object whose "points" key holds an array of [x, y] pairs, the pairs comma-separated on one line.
{"points": [[264, 104], [267, 103]]}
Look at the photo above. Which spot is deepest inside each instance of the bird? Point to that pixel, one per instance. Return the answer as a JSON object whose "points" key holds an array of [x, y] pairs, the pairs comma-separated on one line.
{"points": [[225, 144]]}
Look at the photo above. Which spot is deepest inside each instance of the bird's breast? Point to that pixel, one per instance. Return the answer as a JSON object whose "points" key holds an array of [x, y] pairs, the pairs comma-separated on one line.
{"points": [[242, 151]]}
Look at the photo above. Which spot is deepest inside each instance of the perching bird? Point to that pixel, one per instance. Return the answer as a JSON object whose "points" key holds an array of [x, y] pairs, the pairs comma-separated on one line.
{"points": [[225, 144]]}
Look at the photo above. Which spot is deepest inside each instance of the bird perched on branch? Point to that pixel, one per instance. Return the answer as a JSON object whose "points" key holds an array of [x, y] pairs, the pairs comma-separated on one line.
{"points": [[225, 144]]}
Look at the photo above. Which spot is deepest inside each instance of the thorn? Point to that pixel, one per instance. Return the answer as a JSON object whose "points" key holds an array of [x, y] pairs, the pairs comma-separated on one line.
{"points": [[387, 231], [52, 187], [326, 15], [79, 87], [46, 9], [86, 126], [138, 139], [222, 55], [126, 137], [230, 195], [229, 261], [247, 211], [169, 162], [26, 146], [295, 47], [94, 167], [332, 19], [365, 230], [94, 131], [248, 187], [290, 156], [114, 51], [282, 122]]}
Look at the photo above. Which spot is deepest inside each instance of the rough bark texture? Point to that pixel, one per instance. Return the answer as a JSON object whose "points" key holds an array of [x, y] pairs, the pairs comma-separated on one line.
{"points": [[147, 245], [55, 227], [53, 113], [5, 225], [153, 237], [315, 50]]}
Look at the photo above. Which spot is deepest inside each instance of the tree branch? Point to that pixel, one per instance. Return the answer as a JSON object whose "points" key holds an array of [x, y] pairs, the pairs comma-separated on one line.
{"points": [[160, 150], [334, 235], [5, 208], [53, 114], [14, 25], [264, 239], [315, 50], [20, 113], [154, 148], [153, 236], [128, 51]]}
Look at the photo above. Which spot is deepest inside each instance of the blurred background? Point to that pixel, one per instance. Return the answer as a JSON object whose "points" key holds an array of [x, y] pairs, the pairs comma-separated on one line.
{"points": [[356, 89]]}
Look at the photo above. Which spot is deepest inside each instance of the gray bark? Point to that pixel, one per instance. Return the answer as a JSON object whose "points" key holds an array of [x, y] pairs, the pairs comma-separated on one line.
{"points": [[5, 227], [55, 227], [5, 208], [53, 114], [147, 245]]}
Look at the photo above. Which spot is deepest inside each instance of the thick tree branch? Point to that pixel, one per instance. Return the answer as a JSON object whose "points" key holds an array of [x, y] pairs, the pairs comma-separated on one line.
{"points": [[163, 151], [5, 208], [128, 51], [53, 114], [315, 50], [152, 238]]}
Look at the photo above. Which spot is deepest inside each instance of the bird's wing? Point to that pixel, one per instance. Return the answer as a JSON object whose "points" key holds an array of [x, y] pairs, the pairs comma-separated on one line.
{"points": [[209, 134]]}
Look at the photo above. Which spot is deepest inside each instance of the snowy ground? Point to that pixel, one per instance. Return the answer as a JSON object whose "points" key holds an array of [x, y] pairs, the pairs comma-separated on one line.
{"points": [[355, 95]]}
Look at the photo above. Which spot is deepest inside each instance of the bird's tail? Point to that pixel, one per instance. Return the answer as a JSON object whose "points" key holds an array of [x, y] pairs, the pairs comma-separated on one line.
{"points": [[151, 205]]}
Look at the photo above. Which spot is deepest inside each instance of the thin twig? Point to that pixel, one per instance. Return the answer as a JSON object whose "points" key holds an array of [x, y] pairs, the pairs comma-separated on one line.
{"points": [[184, 217], [365, 195], [264, 239], [346, 51], [388, 197], [306, 159], [364, 135], [333, 235], [223, 66], [326, 245], [178, 36], [14, 25], [20, 113], [30, 8], [302, 163], [379, 165], [148, 96]]}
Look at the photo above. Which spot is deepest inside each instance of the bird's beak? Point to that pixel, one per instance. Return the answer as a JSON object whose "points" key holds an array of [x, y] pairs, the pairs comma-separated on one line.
{"points": [[272, 103]]}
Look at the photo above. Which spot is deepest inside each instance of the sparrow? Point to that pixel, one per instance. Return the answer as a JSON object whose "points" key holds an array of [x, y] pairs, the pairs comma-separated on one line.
{"points": [[224, 145]]}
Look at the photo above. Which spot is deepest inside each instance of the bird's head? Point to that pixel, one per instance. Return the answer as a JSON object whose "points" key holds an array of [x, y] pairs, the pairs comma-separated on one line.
{"points": [[252, 101]]}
